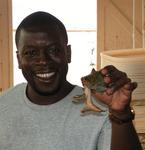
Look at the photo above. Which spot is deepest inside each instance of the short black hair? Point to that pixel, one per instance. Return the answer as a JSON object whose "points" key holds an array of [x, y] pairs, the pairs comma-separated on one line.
{"points": [[41, 19]]}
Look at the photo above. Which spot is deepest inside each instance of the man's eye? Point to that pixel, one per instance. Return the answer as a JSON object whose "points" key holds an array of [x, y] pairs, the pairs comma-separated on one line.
{"points": [[53, 50], [30, 53]]}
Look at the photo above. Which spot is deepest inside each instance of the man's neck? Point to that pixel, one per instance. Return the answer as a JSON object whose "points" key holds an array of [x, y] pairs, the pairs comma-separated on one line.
{"points": [[49, 99]]}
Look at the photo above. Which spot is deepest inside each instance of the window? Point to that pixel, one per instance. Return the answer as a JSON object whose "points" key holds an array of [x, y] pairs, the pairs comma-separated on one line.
{"points": [[79, 17]]}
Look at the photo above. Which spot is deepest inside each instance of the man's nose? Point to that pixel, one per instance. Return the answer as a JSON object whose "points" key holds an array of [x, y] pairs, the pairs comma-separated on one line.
{"points": [[43, 59]]}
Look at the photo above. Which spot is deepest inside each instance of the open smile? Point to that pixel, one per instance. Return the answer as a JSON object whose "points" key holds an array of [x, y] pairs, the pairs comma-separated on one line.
{"points": [[45, 77]]}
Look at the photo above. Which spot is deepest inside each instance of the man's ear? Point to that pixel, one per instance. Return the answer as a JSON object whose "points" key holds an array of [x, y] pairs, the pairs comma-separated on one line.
{"points": [[69, 53], [18, 59]]}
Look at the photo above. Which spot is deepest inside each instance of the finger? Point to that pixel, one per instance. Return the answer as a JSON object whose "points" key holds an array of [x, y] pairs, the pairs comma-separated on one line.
{"points": [[107, 79], [131, 86], [113, 78], [107, 69], [128, 88], [112, 74], [114, 86]]}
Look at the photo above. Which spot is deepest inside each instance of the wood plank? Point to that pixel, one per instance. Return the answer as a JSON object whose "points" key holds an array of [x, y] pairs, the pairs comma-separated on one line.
{"points": [[100, 30], [124, 22], [6, 43]]}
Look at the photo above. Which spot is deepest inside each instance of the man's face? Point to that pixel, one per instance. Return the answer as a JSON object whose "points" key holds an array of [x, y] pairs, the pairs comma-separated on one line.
{"points": [[43, 58]]}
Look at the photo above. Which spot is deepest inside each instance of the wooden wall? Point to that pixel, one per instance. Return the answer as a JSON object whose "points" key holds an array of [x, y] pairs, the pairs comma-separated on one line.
{"points": [[115, 25], [6, 72]]}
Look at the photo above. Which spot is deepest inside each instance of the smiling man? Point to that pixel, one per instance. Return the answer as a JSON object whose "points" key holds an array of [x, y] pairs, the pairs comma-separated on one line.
{"points": [[43, 56], [40, 114]]}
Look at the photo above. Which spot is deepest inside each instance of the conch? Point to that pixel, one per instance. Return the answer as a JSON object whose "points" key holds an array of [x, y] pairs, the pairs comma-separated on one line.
{"points": [[93, 81]]}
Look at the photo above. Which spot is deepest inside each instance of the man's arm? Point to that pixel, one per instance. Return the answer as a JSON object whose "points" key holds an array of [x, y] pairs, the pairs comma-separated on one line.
{"points": [[117, 96], [124, 137]]}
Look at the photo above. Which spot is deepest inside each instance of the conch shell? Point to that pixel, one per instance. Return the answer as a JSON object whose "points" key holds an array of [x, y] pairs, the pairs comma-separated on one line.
{"points": [[93, 81]]}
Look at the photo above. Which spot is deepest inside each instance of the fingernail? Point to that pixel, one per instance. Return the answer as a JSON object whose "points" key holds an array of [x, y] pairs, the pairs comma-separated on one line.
{"points": [[109, 91]]}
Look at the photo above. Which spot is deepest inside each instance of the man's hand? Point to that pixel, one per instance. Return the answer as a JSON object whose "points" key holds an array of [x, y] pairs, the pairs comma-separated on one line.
{"points": [[119, 89]]}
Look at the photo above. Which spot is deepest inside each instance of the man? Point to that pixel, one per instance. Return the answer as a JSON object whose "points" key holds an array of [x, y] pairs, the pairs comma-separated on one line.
{"points": [[40, 115]]}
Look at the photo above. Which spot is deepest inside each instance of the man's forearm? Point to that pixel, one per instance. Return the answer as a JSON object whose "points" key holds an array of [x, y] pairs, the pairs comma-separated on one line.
{"points": [[124, 137]]}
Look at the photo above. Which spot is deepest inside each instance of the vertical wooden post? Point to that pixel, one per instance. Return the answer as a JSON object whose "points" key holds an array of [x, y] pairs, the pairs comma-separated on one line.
{"points": [[6, 55], [100, 30]]}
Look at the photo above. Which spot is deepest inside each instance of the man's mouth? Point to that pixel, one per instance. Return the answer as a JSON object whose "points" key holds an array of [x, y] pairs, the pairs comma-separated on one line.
{"points": [[45, 77]]}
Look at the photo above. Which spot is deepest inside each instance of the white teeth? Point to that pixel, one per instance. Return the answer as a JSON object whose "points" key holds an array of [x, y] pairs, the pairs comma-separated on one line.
{"points": [[45, 75]]}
